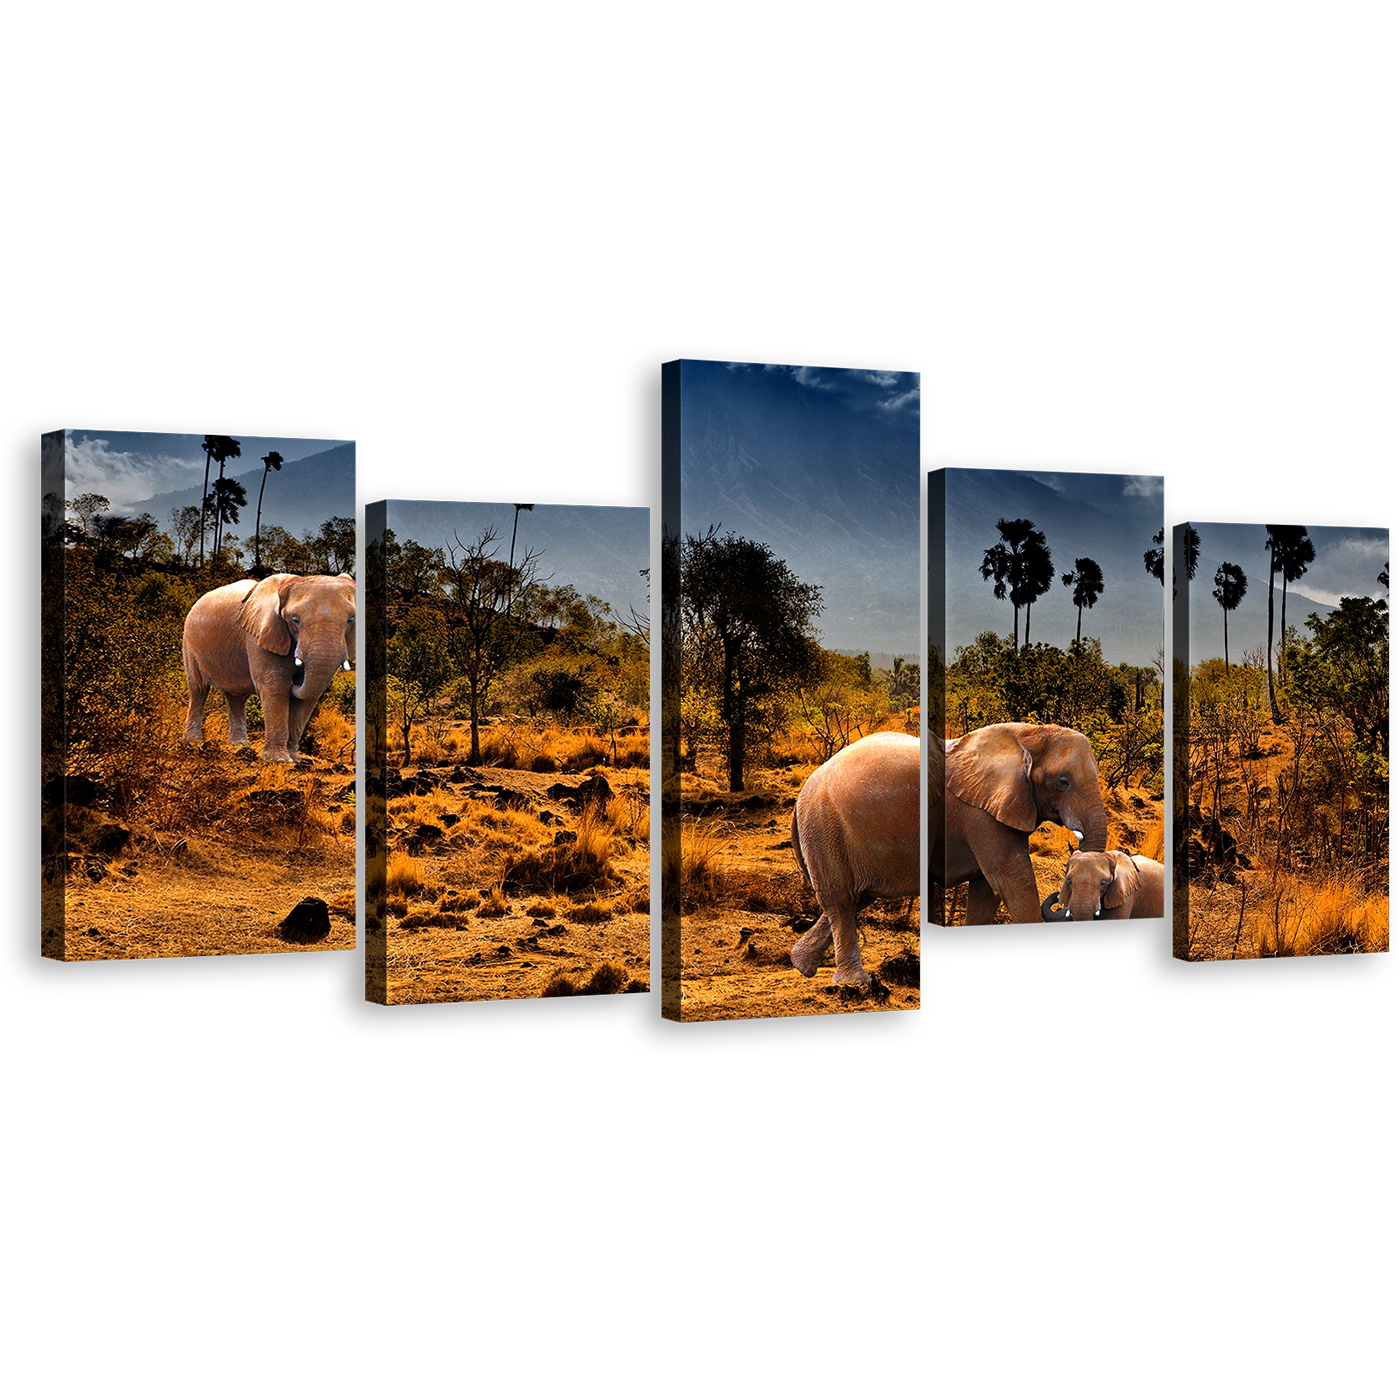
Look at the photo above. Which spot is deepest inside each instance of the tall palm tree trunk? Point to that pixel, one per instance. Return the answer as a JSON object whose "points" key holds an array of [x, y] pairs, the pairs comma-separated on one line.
{"points": [[203, 496], [257, 552]]}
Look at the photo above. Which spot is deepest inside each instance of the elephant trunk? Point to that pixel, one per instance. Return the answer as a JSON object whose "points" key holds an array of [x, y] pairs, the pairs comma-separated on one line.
{"points": [[1050, 914], [314, 665], [1096, 833]]}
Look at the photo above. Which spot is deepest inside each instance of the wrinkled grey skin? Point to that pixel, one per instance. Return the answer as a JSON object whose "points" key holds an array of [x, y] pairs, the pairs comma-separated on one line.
{"points": [[855, 833], [282, 639], [1109, 885], [988, 791]]}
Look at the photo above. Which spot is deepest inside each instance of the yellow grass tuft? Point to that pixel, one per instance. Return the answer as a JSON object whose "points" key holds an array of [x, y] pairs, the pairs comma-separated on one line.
{"points": [[698, 861], [1336, 916], [595, 911], [406, 875], [540, 910], [572, 866], [495, 906]]}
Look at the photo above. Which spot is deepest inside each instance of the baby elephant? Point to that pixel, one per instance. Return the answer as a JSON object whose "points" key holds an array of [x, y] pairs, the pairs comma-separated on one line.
{"points": [[1108, 885]]}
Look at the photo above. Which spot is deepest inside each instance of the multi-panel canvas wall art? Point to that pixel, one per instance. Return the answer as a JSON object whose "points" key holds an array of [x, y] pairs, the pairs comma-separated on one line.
{"points": [[198, 707], [790, 680], [507, 716], [1045, 782]]}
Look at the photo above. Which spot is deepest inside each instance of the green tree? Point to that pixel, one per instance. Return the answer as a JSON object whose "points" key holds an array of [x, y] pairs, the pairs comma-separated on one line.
{"points": [[759, 618], [184, 521], [1294, 557], [1346, 666], [226, 499], [418, 665]]}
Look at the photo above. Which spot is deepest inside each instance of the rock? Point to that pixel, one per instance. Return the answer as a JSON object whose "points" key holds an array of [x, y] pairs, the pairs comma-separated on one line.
{"points": [[565, 838], [594, 789], [745, 934], [109, 838], [425, 835], [450, 818], [309, 922]]}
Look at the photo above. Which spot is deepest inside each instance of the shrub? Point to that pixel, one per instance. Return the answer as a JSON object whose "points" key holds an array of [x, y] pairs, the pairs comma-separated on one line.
{"points": [[495, 906], [560, 986], [593, 912], [608, 978], [571, 867]]}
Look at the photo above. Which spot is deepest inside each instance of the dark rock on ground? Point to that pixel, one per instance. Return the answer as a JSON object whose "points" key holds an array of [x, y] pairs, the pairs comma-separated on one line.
{"points": [[309, 922]]}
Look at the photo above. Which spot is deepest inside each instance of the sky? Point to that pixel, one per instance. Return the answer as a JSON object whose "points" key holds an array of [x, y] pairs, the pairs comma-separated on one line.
{"points": [[130, 467], [598, 549], [822, 465], [1348, 560], [1109, 517]]}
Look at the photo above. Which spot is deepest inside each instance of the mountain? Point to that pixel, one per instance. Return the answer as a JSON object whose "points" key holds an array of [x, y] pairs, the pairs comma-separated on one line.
{"points": [[302, 496], [1249, 623], [828, 483]]}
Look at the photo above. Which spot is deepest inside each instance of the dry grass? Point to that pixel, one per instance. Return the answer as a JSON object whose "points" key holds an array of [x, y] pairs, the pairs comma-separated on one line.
{"points": [[495, 905], [630, 815], [595, 911], [697, 861], [572, 866], [1278, 914], [540, 910], [405, 875]]}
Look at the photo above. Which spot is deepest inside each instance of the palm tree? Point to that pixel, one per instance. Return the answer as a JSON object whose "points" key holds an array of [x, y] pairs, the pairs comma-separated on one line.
{"points": [[1037, 573], [1086, 578], [1294, 558], [1155, 559], [220, 449], [226, 498], [1005, 563], [1230, 587], [511, 582], [271, 463], [207, 447]]}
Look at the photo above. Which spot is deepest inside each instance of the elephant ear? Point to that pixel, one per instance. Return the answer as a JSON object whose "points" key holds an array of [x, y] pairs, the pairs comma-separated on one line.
{"points": [[261, 615], [991, 769], [350, 598], [1125, 882]]}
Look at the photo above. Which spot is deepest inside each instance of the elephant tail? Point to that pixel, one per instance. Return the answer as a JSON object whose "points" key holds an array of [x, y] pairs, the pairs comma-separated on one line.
{"points": [[797, 848]]}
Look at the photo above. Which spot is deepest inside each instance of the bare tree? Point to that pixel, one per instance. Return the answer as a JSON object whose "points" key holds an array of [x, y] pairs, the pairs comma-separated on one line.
{"points": [[476, 610]]}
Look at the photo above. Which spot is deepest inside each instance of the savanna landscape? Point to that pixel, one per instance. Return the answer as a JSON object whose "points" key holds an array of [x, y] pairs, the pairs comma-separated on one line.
{"points": [[508, 829], [1281, 764], [152, 847], [732, 781]]}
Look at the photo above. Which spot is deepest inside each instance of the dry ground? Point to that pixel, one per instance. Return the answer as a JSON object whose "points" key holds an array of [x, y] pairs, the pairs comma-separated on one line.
{"points": [[497, 889], [183, 853], [744, 891]]}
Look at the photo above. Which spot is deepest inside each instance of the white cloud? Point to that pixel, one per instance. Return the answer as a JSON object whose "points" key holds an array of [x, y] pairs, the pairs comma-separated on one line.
{"points": [[876, 376], [1150, 487], [808, 378], [897, 401], [123, 477]]}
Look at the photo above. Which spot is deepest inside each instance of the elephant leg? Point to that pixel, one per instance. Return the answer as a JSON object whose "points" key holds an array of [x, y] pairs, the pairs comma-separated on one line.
{"points": [[843, 928], [275, 715], [298, 716], [1018, 892], [982, 901], [237, 719], [194, 720], [807, 951]]}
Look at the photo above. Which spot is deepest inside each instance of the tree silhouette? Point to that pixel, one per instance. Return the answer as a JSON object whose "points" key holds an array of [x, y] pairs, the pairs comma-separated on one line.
{"points": [[1293, 564], [225, 500], [1230, 587], [1037, 573], [1006, 563], [1154, 559], [271, 463], [514, 527], [219, 449], [1383, 578], [1086, 578]]}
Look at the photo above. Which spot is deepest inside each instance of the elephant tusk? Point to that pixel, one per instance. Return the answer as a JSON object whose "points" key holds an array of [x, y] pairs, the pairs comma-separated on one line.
{"points": [[344, 665], [1076, 833]]}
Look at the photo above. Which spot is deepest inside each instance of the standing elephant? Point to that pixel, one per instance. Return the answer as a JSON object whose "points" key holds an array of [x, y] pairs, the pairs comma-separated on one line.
{"points": [[855, 833], [283, 638], [998, 784], [1109, 885]]}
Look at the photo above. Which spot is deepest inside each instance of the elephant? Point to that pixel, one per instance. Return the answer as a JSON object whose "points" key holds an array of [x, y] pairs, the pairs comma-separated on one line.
{"points": [[855, 833], [284, 637], [991, 788], [1109, 885]]}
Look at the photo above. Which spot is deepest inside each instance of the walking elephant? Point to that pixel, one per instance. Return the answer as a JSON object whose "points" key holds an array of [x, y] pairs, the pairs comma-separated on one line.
{"points": [[1108, 885], [855, 833], [988, 790], [283, 638]]}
